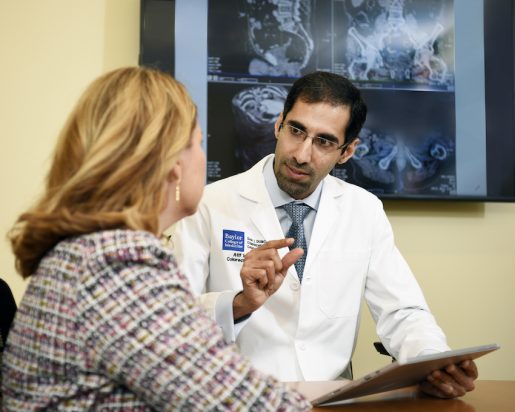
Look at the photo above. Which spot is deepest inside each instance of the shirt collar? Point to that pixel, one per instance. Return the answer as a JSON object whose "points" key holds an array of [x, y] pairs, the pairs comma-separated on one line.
{"points": [[279, 197]]}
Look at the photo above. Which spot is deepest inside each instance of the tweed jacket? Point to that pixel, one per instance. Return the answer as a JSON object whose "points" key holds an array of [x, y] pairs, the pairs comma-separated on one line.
{"points": [[108, 323]]}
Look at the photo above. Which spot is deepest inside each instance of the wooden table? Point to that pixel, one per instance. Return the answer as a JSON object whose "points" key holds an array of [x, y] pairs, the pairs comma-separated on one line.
{"points": [[489, 396]]}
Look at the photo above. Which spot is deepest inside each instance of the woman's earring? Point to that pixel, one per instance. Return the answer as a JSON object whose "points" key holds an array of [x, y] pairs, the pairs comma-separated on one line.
{"points": [[177, 193]]}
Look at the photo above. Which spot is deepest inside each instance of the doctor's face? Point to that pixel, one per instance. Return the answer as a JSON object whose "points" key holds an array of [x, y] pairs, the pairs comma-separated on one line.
{"points": [[302, 162]]}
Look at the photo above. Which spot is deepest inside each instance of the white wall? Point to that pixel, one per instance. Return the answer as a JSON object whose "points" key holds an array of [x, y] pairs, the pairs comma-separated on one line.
{"points": [[463, 256], [50, 51], [461, 253]]}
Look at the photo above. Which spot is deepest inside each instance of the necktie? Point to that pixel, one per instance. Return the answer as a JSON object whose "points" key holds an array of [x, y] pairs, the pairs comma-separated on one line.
{"points": [[298, 212]]}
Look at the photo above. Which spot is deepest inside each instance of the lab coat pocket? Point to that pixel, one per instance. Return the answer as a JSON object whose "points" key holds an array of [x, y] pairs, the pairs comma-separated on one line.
{"points": [[340, 282]]}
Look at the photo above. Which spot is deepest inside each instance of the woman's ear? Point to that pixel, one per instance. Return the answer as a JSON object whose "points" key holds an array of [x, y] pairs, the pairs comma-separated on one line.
{"points": [[175, 173]]}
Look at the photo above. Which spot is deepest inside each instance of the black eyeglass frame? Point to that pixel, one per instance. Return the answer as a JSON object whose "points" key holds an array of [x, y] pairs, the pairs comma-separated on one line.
{"points": [[342, 147]]}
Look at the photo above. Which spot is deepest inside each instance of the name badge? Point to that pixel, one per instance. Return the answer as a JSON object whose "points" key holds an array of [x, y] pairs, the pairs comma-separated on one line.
{"points": [[233, 240]]}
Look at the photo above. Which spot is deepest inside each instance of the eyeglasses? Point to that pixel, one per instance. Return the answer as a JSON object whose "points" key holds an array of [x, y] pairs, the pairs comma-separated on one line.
{"points": [[320, 144]]}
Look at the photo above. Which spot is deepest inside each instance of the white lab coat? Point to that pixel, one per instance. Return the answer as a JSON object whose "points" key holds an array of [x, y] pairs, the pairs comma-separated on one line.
{"points": [[308, 332]]}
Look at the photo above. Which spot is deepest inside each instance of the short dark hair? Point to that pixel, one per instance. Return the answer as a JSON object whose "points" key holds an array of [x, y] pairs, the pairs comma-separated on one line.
{"points": [[336, 90]]}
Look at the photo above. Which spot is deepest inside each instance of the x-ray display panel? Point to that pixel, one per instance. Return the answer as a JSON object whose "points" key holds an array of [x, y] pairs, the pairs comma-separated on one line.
{"points": [[437, 76], [399, 52]]}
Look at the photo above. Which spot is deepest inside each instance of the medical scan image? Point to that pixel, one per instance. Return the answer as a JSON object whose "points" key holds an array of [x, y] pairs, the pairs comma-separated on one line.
{"points": [[399, 42], [394, 164], [263, 40], [399, 53], [279, 35], [407, 145], [255, 111]]}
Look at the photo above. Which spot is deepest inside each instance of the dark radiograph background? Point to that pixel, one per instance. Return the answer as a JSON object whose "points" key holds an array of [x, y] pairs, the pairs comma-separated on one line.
{"points": [[400, 53]]}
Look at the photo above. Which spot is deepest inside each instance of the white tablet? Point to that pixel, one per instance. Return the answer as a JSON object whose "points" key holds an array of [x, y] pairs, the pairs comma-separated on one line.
{"points": [[393, 376]]}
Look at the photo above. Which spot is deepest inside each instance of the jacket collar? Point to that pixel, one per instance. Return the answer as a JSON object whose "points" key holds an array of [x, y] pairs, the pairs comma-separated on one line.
{"points": [[252, 184]]}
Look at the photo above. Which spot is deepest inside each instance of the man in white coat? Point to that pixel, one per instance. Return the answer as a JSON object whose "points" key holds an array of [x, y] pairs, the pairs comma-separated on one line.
{"points": [[295, 313]]}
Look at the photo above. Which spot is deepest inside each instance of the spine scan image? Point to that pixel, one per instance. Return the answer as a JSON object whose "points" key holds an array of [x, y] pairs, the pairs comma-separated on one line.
{"points": [[400, 41]]}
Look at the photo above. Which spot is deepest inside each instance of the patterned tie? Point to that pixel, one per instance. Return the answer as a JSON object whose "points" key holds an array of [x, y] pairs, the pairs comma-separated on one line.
{"points": [[298, 212]]}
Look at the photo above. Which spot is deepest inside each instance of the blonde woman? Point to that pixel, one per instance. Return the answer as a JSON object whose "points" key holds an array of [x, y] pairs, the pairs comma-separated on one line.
{"points": [[108, 321]]}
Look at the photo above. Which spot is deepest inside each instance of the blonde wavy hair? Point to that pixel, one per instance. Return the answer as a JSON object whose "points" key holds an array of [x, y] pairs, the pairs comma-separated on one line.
{"points": [[112, 157]]}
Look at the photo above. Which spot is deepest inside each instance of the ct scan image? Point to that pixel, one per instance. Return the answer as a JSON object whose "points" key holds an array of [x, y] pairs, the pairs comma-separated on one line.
{"points": [[241, 121], [255, 110], [264, 39], [396, 43], [405, 146]]}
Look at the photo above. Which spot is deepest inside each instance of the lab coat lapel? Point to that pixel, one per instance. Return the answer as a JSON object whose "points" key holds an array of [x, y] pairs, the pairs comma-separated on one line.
{"points": [[261, 211], [326, 220]]}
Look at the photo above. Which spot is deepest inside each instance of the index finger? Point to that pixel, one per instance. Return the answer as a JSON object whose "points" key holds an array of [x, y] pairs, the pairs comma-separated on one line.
{"points": [[277, 244]]}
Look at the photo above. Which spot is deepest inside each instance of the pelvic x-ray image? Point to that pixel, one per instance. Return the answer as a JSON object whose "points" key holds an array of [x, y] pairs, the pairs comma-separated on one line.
{"points": [[396, 43], [260, 38], [407, 145]]}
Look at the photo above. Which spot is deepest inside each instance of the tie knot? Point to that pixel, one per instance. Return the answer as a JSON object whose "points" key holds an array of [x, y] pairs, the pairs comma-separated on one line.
{"points": [[297, 211]]}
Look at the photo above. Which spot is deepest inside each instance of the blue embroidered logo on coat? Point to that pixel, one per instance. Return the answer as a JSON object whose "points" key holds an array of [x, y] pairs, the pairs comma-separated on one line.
{"points": [[233, 240]]}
